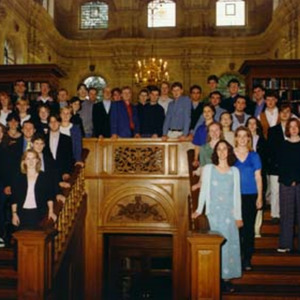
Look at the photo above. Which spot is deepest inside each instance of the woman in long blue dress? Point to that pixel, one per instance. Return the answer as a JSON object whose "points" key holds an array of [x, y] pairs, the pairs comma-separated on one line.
{"points": [[221, 194]]}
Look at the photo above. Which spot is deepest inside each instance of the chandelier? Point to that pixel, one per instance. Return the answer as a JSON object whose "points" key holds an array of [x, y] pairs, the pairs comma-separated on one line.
{"points": [[151, 71]]}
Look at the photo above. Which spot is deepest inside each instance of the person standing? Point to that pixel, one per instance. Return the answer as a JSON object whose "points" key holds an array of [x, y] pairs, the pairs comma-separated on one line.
{"points": [[124, 116], [178, 117], [32, 195], [289, 189], [101, 115], [276, 136], [154, 116], [249, 164], [221, 194]]}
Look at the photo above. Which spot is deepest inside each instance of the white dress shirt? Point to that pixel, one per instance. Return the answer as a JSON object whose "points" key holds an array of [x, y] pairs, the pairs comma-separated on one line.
{"points": [[53, 143], [30, 201]]}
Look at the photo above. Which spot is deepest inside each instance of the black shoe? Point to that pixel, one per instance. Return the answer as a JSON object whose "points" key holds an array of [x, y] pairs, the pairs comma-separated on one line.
{"points": [[275, 221], [247, 266], [227, 287]]}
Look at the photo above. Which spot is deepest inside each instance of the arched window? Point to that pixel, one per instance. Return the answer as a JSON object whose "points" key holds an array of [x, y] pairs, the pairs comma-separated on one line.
{"points": [[94, 15], [230, 13], [9, 54], [97, 82], [161, 13]]}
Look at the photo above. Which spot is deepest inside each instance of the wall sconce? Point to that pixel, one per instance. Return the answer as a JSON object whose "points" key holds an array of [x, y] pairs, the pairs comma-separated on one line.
{"points": [[92, 68]]}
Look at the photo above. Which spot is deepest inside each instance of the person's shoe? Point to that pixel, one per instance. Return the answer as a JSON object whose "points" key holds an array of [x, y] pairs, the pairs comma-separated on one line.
{"points": [[227, 287], [275, 221], [257, 235], [2, 243], [284, 250], [247, 266]]}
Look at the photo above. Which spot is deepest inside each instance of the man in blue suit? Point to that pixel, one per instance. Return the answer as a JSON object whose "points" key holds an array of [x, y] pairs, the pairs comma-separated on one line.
{"points": [[124, 117]]}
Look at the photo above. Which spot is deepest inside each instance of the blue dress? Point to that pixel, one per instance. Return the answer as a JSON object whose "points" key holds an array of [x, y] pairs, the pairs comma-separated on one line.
{"points": [[221, 219]]}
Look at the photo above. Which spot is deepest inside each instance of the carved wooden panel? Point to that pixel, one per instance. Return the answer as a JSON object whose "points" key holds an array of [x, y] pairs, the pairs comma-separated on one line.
{"points": [[138, 209], [138, 160]]}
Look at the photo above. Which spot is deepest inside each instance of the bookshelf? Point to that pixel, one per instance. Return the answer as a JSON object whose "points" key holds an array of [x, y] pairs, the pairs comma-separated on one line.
{"points": [[33, 75], [282, 76]]}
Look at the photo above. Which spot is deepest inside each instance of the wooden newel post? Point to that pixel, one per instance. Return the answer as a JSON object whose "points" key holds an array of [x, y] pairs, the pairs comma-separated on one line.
{"points": [[35, 263], [204, 263]]}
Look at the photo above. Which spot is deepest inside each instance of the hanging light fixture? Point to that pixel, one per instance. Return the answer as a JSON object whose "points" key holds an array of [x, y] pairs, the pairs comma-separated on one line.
{"points": [[154, 70]]}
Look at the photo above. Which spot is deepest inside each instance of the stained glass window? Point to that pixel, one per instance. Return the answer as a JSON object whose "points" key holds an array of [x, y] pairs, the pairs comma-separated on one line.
{"points": [[94, 15], [161, 13], [97, 82], [9, 55], [230, 13]]}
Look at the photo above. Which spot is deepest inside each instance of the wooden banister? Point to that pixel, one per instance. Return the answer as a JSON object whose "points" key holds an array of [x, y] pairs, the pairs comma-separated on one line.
{"points": [[40, 252], [204, 248], [204, 262]]}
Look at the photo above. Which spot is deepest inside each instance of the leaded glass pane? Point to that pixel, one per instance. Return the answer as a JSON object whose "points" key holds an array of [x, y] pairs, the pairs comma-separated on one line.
{"points": [[97, 82], [162, 13], [230, 13], [94, 15]]}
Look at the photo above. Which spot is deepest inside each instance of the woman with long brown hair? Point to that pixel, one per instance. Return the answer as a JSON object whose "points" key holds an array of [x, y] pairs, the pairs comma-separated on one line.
{"points": [[220, 193]]}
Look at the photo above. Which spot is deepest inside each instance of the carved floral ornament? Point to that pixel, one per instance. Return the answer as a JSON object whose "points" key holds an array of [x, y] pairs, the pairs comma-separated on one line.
{"points": [[139, 209], [139, 160]]}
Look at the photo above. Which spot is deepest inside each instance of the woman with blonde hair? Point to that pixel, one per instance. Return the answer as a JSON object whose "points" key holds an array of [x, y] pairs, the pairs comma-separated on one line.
{"points": [[5, 107], [32, 195], [249, 164], [214, 134]]}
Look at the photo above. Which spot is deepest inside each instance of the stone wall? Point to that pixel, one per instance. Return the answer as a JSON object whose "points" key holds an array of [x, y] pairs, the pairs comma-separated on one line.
{"points": [[191, 58]]}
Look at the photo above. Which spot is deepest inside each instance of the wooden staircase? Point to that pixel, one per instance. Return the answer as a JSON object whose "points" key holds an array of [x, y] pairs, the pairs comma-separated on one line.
{"points": [[8, 274], [275, 275]]}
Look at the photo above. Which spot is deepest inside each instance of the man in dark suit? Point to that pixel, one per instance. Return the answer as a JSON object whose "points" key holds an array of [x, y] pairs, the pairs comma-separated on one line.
{"points": [[233, 86], [60, 146], [276, 135], [197, 105], [101, 115], [124, 117]]}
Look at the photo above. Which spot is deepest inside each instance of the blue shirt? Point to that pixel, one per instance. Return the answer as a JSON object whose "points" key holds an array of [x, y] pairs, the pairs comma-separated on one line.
{"points": [[178, 115], [200, 135], [247, 170]]}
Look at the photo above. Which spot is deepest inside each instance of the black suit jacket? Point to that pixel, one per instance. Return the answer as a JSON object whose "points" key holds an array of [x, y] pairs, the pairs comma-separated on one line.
{"points": [[195, 114], [275, 139], [43, 192], [64, 154], [101, 120]]}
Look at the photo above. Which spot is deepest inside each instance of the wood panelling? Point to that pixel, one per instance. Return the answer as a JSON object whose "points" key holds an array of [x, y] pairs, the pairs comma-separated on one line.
{"points": [[204, 262], [148, 197]]}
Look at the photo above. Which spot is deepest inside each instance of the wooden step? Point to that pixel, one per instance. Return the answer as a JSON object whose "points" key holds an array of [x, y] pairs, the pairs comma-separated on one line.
{"points": [[270, 241], [271, 275], [269, 228], [270, 257], [259, 292], [8, 294], [6, 254], [8, 272], [267, 241]]}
